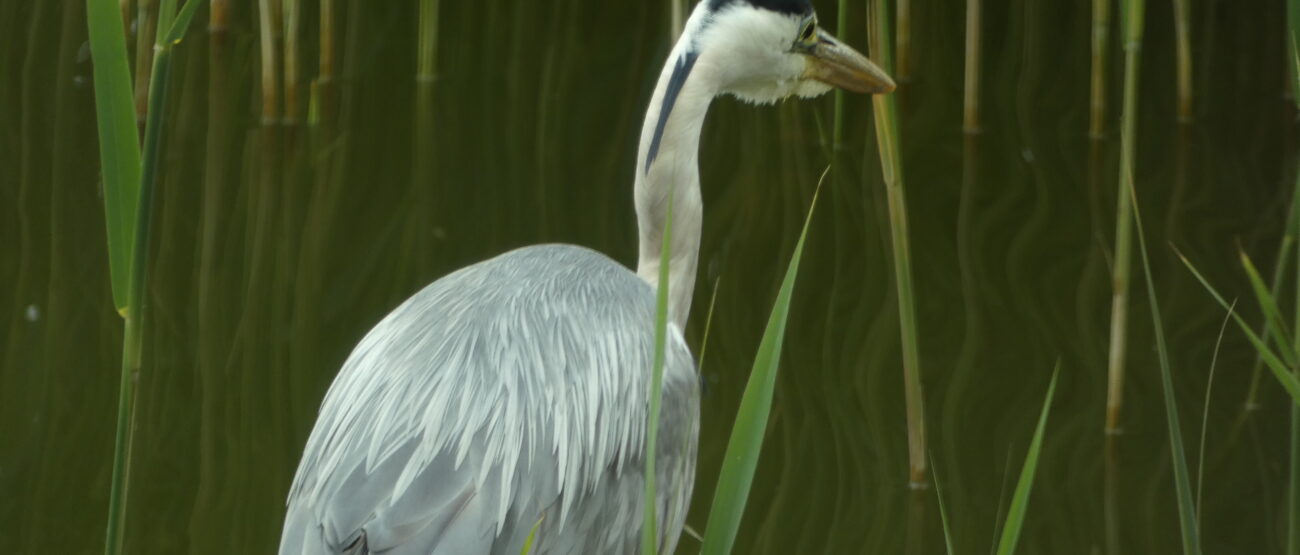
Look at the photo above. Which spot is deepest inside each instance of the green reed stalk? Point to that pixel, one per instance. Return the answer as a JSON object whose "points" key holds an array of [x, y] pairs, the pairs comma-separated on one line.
{"points": [[837, 127], [1133, 14], [886, 118], [746, 441], [1182, 478], [1020, 499], [1205, 412], [1100, 53], [1183, 45], [943, 510], [708, 325], [120, 166], [532, 535], [115, 125], [971, 122]]}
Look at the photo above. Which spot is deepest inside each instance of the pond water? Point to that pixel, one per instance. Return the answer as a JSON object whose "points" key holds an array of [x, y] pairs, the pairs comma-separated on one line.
{"points": [[280, 244]]}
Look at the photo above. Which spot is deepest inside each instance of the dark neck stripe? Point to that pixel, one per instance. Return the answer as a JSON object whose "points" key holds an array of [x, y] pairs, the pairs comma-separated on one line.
{"points": [[681, 71]]}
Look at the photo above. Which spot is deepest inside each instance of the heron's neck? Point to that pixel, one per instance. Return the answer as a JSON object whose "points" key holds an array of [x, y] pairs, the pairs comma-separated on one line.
{"points": [[667, 172]]}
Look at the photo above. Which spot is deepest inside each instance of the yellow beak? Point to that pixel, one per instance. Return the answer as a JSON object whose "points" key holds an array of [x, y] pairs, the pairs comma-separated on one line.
{"points": [[837, 64]]}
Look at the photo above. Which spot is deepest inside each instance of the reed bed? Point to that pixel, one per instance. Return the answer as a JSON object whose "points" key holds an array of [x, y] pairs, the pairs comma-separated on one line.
{"points": [[249, 190]]}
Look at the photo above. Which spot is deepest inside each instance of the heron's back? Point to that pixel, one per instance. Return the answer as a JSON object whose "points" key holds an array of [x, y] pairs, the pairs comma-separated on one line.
{"points": [[508, 393]]}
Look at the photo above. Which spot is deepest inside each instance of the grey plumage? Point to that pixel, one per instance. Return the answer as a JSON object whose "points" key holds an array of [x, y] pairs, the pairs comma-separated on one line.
{"points": [[509, 391]]}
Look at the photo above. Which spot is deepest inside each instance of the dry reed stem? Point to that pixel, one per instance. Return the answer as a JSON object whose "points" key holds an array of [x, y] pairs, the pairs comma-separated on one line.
{"points": [[1124, 218], [1182, 36], [886, 121], [268, 24]]}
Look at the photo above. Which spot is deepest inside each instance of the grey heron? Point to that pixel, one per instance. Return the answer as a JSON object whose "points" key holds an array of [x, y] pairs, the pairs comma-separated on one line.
{"points": [[513, 393]]}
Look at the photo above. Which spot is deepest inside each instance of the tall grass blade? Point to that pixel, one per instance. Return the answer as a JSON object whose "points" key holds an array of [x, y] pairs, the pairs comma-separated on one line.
{"points": [[708, 325], [532, 535], [649, 535], [1279, 273], [1280, 330], [886, 118], [1020, 499], [1182, 480], [746, 442], [943, 510], [119, 142], [1205, 411], [1271, 360]]}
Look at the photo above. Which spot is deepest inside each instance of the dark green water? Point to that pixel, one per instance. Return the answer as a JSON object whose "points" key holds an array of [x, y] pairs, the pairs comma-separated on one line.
{"points": [[278, 246]]}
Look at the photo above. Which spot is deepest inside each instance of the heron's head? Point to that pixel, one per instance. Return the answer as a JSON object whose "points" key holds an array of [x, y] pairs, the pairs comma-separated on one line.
{"points": [[763, 51]]}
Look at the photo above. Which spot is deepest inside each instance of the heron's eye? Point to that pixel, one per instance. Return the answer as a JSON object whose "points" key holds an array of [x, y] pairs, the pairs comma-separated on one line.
{"points": [[809, 31]]}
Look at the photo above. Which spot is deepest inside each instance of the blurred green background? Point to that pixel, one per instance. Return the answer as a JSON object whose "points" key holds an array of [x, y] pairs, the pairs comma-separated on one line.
{"points": [[286, 229]]}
